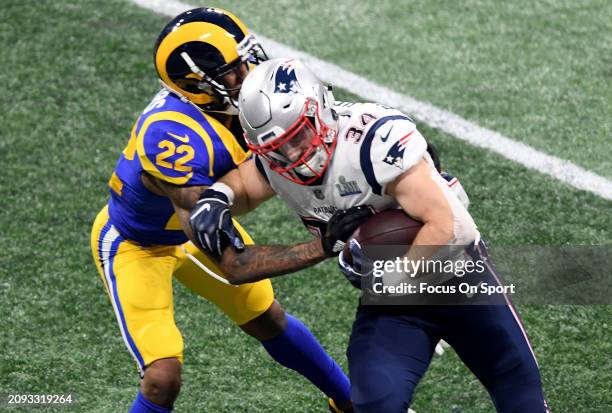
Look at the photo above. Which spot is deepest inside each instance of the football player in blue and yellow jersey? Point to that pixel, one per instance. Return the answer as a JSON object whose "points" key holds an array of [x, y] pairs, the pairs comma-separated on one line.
{"points": [[184, 140]]}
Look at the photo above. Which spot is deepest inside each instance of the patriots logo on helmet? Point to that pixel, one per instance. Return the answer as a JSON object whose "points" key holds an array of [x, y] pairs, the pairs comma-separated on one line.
{"points": [[285, 80]]}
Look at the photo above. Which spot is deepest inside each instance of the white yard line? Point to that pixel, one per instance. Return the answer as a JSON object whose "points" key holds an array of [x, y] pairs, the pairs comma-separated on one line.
{"points": [[454, 125]]}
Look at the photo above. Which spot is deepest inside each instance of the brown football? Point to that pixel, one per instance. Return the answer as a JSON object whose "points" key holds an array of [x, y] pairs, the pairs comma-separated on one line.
{"points": [[390, 227]]}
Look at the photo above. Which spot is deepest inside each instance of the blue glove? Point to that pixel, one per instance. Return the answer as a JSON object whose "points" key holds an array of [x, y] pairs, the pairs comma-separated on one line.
{"points": [[211, 221], [360, 266]]}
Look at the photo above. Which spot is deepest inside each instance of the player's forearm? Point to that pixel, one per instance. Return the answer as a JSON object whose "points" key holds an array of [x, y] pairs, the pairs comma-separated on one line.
{"points": [[250, 189], [182, 197], [183, 216], [242, 204], [435, 233], [258, 262], [430, 238]]}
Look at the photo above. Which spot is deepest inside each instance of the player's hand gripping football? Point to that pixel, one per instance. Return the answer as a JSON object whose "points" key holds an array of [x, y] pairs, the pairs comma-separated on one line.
{"points": [[211, 223], [341, 226], [359, 267]]}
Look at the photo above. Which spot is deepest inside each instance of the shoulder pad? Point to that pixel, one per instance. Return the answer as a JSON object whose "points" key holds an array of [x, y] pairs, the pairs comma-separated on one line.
{"points": [[392, 146], [175, 148]]}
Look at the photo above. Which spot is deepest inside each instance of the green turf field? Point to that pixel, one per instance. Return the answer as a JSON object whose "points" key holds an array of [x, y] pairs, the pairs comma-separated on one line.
{"points": [[75, 76]]}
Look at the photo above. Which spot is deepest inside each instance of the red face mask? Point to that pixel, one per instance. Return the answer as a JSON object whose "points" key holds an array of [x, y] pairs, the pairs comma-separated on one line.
{"points": [[303, 152]]}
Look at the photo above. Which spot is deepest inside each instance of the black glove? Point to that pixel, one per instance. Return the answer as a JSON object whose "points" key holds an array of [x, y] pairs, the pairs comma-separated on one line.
{"points": [[211, 223], [341, 226]]}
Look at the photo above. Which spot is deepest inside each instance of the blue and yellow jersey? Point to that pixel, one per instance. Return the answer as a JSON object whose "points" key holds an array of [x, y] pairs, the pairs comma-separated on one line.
{"points": [[175, 142]]}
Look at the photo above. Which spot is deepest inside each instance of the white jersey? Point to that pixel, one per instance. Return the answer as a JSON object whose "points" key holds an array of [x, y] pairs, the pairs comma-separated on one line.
{"points": [[375, 145]]}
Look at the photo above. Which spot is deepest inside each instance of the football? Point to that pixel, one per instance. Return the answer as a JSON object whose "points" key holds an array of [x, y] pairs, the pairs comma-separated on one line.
{"points": [[390, 227]]}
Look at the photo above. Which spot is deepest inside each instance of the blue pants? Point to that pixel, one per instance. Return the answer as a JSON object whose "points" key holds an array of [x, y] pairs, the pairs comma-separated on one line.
{"points": [[391, 347]]}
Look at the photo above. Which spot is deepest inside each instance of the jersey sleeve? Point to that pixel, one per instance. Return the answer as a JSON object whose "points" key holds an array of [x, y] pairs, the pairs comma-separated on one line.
{"points": [[391, 147], [237, 152], [175, 153]]}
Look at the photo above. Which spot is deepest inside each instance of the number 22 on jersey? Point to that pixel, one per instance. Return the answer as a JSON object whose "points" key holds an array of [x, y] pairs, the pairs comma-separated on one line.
{"points": [[170, 150]]}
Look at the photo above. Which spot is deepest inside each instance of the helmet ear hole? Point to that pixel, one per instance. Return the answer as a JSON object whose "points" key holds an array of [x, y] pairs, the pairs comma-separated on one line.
{"points": [[190, 85]]}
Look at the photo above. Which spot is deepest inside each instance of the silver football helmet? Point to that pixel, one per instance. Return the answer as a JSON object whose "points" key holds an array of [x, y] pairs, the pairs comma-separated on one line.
{"points": [[288, 119]]}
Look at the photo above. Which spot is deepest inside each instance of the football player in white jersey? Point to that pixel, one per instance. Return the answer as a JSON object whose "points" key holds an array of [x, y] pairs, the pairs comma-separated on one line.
{"points": [[334, 163]]}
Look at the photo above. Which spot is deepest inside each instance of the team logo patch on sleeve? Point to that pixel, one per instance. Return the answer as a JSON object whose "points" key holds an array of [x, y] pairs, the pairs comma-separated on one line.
{"points": [[395, 156]]}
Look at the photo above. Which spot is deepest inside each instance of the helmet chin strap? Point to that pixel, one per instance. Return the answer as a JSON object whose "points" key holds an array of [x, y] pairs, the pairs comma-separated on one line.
{"points": [[316, 163]]}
